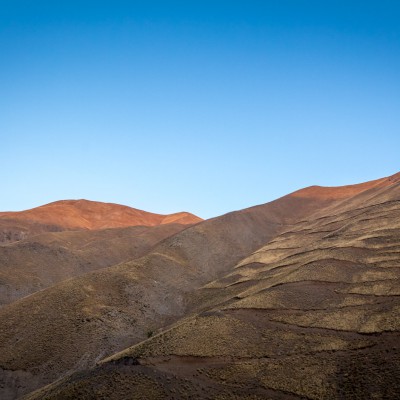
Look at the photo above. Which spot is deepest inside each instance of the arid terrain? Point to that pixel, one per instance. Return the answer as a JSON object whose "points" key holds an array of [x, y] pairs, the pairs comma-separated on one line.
{"points": [[80, 215], [298, 298]]}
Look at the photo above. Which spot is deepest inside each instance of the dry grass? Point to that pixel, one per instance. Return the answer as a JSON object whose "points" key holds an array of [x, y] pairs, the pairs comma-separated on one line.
{"points": [[295, 299]]}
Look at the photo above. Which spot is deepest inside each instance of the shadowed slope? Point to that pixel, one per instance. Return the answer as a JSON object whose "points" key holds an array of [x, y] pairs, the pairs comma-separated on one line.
{"points": [[121, 304], [81, 214], [313, 314], [36, 263]]}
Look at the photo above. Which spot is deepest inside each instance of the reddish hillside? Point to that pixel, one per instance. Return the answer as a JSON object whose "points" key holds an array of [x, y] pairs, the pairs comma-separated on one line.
{"points": [[342, 192], [84, 214], [224, 309]]}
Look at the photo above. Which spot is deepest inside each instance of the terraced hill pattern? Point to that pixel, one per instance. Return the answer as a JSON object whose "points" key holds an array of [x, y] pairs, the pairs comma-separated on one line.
{"points": [[294, 299]]}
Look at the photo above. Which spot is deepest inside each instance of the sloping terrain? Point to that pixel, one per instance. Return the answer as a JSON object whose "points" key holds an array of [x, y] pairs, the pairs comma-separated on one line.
{"points": [[33, 264], [254, 304], [119, 306], [313, 314], [80, 214]]}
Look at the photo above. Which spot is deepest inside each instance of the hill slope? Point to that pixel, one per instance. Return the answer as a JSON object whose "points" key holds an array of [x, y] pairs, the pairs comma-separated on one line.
{"points": [[33, 264], [78, 215], [200, 274], [314, 314]]}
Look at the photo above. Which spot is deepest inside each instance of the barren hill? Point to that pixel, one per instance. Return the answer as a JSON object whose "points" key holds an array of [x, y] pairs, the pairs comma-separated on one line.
{"points": [[35, 263], [60, 240], [81, 214], [297, 298]]}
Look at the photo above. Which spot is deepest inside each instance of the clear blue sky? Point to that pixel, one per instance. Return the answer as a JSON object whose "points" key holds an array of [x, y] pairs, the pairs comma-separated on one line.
{"points": [[204, 106]]}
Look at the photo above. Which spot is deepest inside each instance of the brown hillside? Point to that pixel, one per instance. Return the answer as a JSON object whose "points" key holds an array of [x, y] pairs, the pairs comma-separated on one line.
{"points": [[315, 314], [195, 282], [81, 214], [33, 264]]}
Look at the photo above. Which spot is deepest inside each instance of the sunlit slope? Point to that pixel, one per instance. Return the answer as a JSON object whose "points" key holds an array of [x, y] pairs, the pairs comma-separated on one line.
{"points": [[81, 214], [198, 270], [315, 313]]}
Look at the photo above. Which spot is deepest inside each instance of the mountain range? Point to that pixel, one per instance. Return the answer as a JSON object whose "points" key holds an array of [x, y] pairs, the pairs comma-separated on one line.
{"points": [[297, 298]]}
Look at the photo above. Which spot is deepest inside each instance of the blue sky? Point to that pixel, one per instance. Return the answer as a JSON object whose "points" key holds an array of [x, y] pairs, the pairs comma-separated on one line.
{"points": [[204, 106]]}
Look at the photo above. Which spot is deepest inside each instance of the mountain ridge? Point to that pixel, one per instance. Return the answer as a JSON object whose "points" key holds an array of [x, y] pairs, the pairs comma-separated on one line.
{"points": [[87, 214], [75, 215], [189, 303]]}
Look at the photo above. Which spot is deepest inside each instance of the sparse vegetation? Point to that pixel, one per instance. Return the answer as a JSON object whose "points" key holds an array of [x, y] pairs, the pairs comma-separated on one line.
{"points": [[307, 308]]}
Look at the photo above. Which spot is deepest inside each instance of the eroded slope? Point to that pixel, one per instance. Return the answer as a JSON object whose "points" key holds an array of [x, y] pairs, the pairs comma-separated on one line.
{"points": [[313, 314], [33, 264], [192, 275]]}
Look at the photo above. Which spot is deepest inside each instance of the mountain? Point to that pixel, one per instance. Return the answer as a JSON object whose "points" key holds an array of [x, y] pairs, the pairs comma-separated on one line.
{"points": [[51, 243], [81, 214], [32, 264], [297, 298]]}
